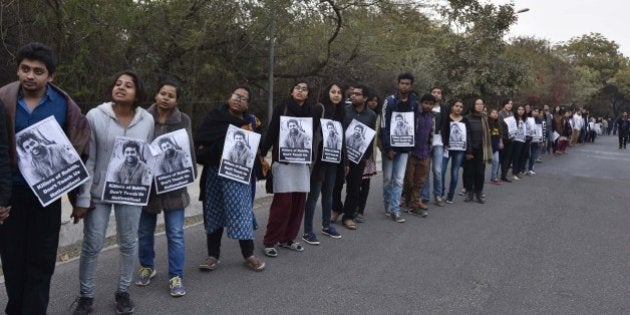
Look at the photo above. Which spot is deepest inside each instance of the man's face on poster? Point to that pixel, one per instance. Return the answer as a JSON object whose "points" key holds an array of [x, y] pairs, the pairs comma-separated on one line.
{"points": [[167, 148], [331, 130], [33, 147], [131, 155], [239, 142], [357, 132], [399, 121], [293, 130]]}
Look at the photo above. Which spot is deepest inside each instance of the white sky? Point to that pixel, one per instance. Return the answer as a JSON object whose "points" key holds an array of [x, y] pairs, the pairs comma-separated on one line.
{"points": [[560, 20]]}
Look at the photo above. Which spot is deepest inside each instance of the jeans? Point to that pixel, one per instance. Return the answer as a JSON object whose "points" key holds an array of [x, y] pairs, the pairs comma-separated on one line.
{"points": [[322, 181], [494, 173], [28, 245], [436, 165], [393, 176], [174, 226], [456, 158], [535, 152], [94, 228], [505, 156]]}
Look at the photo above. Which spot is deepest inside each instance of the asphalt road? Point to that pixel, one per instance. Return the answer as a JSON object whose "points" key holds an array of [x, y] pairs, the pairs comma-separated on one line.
{"points": [[554, 243]]}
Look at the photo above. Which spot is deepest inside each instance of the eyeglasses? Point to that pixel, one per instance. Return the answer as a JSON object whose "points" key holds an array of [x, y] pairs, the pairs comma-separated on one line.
{"points": [[357, 93], [240, 97], [302, 88]]}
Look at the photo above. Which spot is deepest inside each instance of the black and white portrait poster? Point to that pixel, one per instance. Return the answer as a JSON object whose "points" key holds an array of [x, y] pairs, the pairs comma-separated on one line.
{"points": [[457, 138], [520, 131], [172, 163], [239, 151], [401, 129], [48, 162], [295, 139], [331, 136], [128, 178], [529, 127], [537, 136], [358, 139], [510, 122]]}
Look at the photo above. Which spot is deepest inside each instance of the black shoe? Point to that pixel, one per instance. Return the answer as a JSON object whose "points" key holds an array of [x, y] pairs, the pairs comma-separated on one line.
{"points": [[84, 306], [123, 303], [469, 197], [505, 179], [479, 198]]}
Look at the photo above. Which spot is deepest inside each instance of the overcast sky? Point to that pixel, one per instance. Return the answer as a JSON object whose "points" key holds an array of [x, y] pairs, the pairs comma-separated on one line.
{"points": [[560, 20]]}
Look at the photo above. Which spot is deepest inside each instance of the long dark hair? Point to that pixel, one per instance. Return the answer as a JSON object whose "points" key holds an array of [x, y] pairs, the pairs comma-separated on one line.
{"points": [[141, 94], [339, 108]]}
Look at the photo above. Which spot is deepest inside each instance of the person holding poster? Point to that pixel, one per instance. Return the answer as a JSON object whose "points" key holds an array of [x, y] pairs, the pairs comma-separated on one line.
{"points": [[5, 168], [291, 181], [227, 203], [537, 141], [360, 112], [46, 159], [122, 116], [420, 158], [29, 236], [167, 118], [520, 138], [394, 158], [241, 152], [456, 137], [478, 153], [323, 173], [133, 170], [505, 154]]}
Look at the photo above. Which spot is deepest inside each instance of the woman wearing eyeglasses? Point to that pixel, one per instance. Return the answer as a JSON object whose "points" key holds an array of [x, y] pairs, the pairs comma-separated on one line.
{"points": [[291, 181], [227, 204]]}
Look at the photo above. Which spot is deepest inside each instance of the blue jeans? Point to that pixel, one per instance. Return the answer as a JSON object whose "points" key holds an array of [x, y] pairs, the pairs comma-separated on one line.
{"points": [[393, 176], [534, 153], [437, 154], [456, 158], [94, 228], [496, 165], [174, 227], [322, 181]]}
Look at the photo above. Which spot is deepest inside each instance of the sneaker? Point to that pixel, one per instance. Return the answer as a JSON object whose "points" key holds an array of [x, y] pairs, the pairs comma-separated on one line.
{"points": [[505, 179], [388, 213], [84, 305], [176, 286], [530, 173], [398, 218], [292, 245], [209, 264], [449, 201], [421, 212], [539, 160], [331, 231], [439, 201], [516, 178], [254, 263], [123, 303], [310, 238], [144, 276], [271, 251], [463, 192]]}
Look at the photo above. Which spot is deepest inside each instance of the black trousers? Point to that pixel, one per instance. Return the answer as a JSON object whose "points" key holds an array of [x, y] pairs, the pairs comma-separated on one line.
{"points": [[337, 204], [474, 172], [28, 246], [363, 195], [353, 189], [505, 156], [214, 245]]}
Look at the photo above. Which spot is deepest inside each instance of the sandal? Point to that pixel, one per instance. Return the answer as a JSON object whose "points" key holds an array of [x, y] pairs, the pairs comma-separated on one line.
{"points": [[209, 264], [270, 251], [333, 216], [292, 246], [254, 263]]}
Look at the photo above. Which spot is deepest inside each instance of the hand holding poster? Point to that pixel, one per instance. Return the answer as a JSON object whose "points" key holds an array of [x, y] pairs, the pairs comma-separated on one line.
{"points": [[239, 150], [128, 177], [520, 132], [358, 139], [401, 129], [48, 162], [511, 125], [172, 167], [295, 139], [458, 136], [331, 137]]}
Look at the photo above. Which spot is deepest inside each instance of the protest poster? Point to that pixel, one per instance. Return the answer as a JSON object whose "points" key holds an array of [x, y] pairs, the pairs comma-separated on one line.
{"points": [[295, 139], [457, 138], [537, 136], [332, 141], [129, 176], [239, 151], [530, 124], [48, 162], [511, 126], [520, 131], [358, 139], [172, 167], [401, 129]]}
